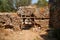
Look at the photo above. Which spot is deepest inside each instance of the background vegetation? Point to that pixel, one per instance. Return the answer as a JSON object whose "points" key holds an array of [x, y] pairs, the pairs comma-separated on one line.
{"points": [[12, 5]]}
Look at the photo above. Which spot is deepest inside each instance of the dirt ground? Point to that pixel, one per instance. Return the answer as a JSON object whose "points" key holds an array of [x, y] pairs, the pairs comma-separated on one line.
{"points": [[19, 35], [9, 34]]}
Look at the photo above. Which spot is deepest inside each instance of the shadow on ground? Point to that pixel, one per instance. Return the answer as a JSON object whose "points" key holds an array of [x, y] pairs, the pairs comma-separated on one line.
{"points": [[49, 36]]}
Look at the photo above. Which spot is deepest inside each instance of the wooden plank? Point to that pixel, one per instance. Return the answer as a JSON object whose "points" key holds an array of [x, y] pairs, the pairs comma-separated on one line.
{"points": [[35, 17]]}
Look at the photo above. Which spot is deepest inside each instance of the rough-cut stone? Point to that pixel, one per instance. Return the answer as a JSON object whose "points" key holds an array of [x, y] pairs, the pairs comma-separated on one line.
{"points": [[10, 20]]}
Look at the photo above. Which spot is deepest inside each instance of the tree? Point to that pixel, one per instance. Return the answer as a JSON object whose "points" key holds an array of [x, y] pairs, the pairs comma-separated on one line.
{"points": [[5, 6], [11, 5], [55, 17], [42, 3], [23, 2]]}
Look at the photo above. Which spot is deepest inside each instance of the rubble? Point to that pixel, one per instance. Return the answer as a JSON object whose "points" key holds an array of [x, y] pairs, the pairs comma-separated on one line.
{"points": [[9, 21], [14, 20], [34, 14]]}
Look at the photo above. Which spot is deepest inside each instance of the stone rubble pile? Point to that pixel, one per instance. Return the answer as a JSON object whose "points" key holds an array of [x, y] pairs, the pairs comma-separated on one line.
{"points": [[8, 21]]}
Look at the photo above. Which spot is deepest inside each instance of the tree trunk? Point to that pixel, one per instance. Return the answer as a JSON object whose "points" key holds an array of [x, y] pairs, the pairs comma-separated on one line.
{"points": [[55, 17]]}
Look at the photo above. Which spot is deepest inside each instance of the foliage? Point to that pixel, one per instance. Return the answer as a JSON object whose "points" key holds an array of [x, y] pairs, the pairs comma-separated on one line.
{"points": [[42, 3], [11, 5], [23, 2]]}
